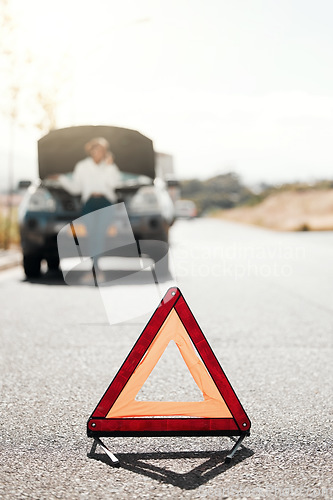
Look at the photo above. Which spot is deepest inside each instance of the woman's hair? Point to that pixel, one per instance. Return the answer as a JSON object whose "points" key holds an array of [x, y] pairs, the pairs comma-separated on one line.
{"points": [[96, 141]]}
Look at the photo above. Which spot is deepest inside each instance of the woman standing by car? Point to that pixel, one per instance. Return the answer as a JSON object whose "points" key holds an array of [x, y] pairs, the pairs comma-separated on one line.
{"points": [[95, 178]]}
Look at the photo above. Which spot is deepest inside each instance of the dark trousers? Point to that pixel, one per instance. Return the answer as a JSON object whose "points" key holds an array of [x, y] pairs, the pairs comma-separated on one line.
{"points": [[95, 203], [96, 223]]}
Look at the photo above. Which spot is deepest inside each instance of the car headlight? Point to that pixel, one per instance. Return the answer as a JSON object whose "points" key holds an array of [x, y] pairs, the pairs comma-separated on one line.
{"points": [[41, 201]]}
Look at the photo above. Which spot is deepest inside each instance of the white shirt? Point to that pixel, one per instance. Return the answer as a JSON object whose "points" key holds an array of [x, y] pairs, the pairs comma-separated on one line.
{"points": [[89, 177]]}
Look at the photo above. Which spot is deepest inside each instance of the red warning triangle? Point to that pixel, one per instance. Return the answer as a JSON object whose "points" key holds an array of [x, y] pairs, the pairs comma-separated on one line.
{"points": [[219, 413]]}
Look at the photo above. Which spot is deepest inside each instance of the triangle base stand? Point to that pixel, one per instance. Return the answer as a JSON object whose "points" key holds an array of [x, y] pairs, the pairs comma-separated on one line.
{"points": [[112, 457], [238, 443], [115, 462]]}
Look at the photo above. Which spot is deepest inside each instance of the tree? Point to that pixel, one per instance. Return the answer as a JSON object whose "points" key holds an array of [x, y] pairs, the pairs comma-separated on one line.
{"points": [[12, 62], [28, 101]]}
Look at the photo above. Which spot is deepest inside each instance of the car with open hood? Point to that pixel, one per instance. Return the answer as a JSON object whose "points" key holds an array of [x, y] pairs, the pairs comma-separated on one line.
{"points": [[47, 207]]}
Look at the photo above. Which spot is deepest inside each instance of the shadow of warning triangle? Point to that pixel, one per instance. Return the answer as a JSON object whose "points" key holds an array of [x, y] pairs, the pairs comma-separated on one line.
{"points": [[168, 467]]}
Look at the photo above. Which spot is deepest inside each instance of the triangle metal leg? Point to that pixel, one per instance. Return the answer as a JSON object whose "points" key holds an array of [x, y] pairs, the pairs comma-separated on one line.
{"points": [[113, 458], [235, 448]]}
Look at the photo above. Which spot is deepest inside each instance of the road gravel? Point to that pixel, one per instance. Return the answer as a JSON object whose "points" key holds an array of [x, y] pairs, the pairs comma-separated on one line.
{"points": [[264, 301]]}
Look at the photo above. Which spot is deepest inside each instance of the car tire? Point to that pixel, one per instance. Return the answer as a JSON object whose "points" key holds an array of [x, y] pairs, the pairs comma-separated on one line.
{"points": [[53, 263], [31, 265]]}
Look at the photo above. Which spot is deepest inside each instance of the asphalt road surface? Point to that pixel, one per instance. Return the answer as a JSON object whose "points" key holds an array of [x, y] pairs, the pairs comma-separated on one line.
{"points": [[264, 301]]}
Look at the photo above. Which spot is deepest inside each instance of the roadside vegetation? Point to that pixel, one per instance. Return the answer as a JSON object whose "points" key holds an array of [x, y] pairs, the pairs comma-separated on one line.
{"points": [[286, 207], [9, 230], [219, 192]]}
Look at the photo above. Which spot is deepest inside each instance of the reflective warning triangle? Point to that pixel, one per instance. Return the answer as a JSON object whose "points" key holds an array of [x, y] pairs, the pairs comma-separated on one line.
{"points": [[220, 412]]}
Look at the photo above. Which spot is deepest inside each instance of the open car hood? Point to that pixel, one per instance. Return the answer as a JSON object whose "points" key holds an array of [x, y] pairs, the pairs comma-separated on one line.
{"points": [[60, 150]]}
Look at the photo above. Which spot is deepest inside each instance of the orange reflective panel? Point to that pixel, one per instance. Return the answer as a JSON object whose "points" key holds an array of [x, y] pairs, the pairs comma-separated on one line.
{"points": [[212, 406]]}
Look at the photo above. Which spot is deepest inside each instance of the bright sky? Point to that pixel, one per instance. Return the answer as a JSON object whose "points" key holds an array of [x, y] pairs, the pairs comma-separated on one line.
{"points": [[244, 85]]}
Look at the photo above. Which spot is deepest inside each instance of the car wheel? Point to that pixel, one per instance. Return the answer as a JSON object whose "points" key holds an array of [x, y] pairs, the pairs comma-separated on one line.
{"points": [[53, 263], [31, 265]]}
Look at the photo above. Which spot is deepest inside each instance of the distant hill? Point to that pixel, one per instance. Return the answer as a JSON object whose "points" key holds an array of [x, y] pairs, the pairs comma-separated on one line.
{"points": [[305, 210], [297, 206]]}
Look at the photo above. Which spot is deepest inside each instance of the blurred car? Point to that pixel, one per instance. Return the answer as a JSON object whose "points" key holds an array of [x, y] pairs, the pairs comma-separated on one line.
{"points": [[46, 207], [185, 209]]}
